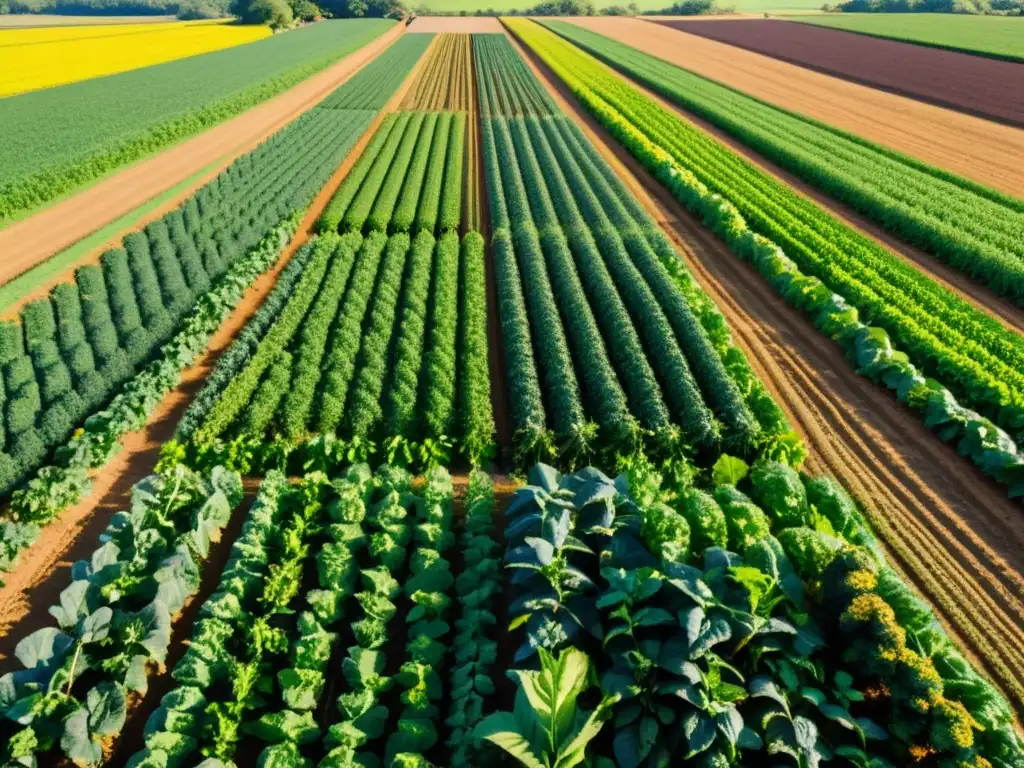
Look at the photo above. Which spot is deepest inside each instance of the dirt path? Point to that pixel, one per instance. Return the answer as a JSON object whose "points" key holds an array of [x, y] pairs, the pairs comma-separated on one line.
{"points": [[33, 240], [976, 85], [948, 528], [987, 152]]}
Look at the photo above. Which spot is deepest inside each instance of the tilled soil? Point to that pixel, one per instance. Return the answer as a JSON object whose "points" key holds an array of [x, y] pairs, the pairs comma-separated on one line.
{"points": [[973, 84], [33, 240], [981, 150], [949, 529]]}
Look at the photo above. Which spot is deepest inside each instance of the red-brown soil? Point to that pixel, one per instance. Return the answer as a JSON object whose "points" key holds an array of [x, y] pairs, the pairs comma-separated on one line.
{"points": [[981, 150], [950, 530], [33, 240], [973, 84]]}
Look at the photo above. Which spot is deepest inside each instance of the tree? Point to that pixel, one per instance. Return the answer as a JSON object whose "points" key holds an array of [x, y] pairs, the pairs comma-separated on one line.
{"points": [[276, 13]]}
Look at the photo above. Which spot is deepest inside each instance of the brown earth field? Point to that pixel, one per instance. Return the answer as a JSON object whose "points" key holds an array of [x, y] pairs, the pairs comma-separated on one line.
{"points": [[31, 241], [43, 570], [981, 150], [951, 531], [973, 84], [455, 24]]}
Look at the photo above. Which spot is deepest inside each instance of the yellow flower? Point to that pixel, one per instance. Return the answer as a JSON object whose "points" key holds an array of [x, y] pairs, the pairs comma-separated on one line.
{"points": [[863, 580], [31, 59]]}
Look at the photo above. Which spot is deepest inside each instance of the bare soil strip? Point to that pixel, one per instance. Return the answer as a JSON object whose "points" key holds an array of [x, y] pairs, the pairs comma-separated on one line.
{"points": [[42, 570], [980, 150], [947, 527], [33, 240], [973, 84]]}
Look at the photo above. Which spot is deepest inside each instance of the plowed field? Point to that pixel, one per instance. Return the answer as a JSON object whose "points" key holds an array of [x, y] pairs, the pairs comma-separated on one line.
{"points": [[981, 150], [985, 87]]}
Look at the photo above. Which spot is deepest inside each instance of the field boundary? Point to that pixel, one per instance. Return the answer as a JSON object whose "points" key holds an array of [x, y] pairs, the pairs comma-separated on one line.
{"points": [[954, 48], [864, 81]]}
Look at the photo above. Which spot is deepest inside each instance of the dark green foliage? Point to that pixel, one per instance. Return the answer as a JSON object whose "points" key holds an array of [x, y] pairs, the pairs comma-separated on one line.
{"points": [[123, 306], [400, 406], [364, 409], [192, 268], [340, 364], [267, 397], [173, 290], [147, 287], [430, 198], [439, 400], [745, 522], [298, 401], [21, 411], [779, 491], [706, 520], [811, 551], [28, 450], [477, 434], [68, 313], [450, 214]]}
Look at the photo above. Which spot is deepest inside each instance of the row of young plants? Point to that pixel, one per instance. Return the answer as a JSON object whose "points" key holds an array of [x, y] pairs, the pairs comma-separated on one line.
{"points": [[113, 623], [64, 483], [991, 448], [971, 353], [372, 87], [72, 350], [644, 368], [409, 178], [387, 340], [446, 80], [267, 650], [974, 229], [751, 621]]}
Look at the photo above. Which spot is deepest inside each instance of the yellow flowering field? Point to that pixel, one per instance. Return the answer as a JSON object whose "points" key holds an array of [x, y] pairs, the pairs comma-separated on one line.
{"points": [[41, 58]]}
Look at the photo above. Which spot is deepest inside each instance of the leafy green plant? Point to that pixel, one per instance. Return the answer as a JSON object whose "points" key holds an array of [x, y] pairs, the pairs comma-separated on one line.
{"points": [[548, 728]]}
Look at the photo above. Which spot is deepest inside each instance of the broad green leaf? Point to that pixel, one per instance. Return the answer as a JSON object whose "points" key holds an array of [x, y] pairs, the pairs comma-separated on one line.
{"points": [[502, 729]]}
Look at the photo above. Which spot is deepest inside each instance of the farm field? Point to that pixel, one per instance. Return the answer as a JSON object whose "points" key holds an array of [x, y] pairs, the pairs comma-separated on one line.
{"points": [[972, 84], [801, 293], [31, 59], [979, 150], [437, 445], [995, 36], [967, 226], [96, 126], [32, 240], [23, 20]]}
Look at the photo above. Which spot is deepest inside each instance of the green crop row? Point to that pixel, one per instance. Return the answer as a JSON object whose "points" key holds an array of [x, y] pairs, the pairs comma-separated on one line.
{"points": [[363, 348], [409, 179], [946, 337], [647, 362], [58, 139], [373, 86], [974, 229], [75, 348]]}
